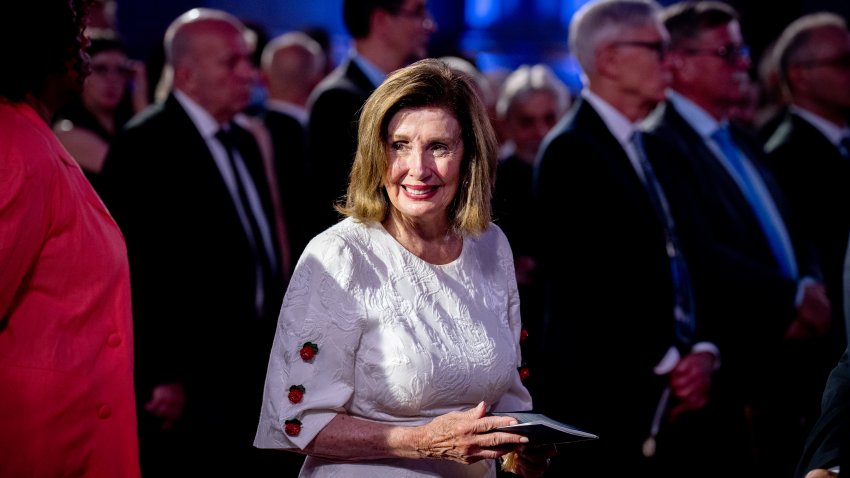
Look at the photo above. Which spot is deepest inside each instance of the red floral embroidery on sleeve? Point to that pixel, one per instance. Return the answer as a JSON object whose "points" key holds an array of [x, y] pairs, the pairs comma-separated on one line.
{"points": [[292, 427], [308, 351], [296, 393]]}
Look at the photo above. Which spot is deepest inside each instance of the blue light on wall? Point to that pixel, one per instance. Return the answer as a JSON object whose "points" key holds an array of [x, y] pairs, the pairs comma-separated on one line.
{"points": [[481, 13], [504, 34]]}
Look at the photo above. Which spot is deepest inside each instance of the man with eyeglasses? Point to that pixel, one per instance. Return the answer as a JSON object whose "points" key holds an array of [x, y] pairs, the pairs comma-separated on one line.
{"points": [[756, 271], [621, 331], [386, 35], [810, 156]]}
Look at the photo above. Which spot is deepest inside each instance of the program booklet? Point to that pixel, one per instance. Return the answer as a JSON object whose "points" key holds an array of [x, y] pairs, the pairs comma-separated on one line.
{"points": [[542, 430]]}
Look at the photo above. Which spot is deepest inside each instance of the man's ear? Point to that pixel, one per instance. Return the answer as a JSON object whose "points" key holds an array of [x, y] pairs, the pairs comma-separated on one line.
{"points": [[796, 79], [605, 59], [378, 19], [679, 66]]}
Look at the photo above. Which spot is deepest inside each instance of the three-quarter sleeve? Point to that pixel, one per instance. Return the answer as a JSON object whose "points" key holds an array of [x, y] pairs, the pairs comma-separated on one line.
{"points": [[310, 376]]}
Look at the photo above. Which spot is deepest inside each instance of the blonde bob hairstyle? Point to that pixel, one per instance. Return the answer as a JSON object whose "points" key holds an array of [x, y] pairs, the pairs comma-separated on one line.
{"points": [[426, 83]]}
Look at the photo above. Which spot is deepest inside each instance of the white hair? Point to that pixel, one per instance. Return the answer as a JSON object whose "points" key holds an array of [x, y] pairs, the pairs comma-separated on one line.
{"points": [[598, 23], [528, 79]]}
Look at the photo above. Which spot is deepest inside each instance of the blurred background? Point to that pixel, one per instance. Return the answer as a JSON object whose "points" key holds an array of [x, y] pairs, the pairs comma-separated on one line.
{"points": [[494, 34]]}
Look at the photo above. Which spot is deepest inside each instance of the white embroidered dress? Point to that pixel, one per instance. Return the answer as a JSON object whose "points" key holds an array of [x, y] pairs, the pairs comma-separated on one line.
{"points": [[399, 341]]}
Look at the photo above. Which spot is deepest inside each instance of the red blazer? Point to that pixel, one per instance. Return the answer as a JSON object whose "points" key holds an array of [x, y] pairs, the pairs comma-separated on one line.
{"points": [[67, 405]]}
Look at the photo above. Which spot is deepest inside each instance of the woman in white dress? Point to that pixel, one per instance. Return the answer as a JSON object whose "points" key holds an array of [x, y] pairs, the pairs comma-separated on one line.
{"points": [[400, 329]]}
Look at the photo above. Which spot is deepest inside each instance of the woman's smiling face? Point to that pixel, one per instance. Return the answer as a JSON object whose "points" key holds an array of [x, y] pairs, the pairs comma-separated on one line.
{"points": [[425, 152]]}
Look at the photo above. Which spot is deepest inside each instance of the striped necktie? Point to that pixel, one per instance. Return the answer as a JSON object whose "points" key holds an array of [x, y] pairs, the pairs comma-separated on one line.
{"points": [[684, 302]]}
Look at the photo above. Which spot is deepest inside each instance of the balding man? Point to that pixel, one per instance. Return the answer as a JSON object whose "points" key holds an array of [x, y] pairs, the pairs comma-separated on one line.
{"points": [[810, 151], [292, 64], [185, 183]]}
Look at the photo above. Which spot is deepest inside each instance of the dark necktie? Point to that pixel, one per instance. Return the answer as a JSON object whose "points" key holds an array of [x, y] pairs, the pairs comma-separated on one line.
{"points": [[768, 225], [684, 302], [263, 252]]}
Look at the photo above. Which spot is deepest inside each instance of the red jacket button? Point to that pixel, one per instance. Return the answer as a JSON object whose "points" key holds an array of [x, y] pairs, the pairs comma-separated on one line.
{"points": [[114, 340], [104, 411]]}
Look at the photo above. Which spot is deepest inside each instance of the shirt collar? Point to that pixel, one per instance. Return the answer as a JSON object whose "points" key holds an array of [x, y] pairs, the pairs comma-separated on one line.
{"points": [[296, 111], [617, 123], [698, 118], [372, 72], [203, 121], [832, 132]]}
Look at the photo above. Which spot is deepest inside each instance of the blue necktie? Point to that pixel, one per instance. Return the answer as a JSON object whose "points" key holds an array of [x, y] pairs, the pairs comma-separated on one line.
{"points": [[768, 225], [844, 146], [683, 308]]}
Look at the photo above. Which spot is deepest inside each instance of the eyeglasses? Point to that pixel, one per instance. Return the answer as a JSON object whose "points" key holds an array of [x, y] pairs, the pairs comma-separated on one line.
{"points": [[100, 69], [841, 62], [731, 53], [659, 47]]}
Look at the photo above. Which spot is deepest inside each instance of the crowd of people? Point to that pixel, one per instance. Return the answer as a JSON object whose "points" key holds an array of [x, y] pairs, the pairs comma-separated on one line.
{"points": [[353, 274]]}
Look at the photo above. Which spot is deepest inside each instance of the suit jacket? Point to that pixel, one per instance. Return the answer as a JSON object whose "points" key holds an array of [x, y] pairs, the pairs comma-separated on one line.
{"points": [[739, 282], [289, 143], [66, 369], [332, 137], [814, 177], [828, 444], [609, 307], [193, 274]]}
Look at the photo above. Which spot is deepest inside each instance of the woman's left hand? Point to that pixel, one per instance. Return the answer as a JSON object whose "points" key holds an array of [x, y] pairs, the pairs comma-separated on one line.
{"points": [[530, 461]]}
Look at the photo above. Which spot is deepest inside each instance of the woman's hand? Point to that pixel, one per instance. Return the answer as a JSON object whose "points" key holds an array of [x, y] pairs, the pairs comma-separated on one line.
{"points": [[529, 461], [465, 437], [821, 473]]}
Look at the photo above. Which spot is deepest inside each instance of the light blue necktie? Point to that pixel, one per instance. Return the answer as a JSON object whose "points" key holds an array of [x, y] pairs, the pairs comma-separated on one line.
{"points": [[683, 309], [844, 146], [768, 225]]}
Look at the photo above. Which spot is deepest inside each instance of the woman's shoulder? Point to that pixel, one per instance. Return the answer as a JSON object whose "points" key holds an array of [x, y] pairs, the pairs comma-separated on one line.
{"points": [[346, 232], [344, 239], [26, 139], [491, 241]]}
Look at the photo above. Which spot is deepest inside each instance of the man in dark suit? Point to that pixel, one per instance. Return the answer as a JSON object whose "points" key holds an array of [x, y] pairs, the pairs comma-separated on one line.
{"points": [[292, 65], [387, 34], [828, 445], [205, 268], [611, 338], [810, 154], [752, 271]]}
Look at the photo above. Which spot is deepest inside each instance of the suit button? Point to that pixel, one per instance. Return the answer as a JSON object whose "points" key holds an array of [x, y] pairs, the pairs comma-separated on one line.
{"points": [[114, 340], [104, 411]]}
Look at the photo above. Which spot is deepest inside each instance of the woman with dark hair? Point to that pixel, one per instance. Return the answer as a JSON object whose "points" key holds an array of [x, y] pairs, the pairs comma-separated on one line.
{"points": [[67, 405], [115, 90]]}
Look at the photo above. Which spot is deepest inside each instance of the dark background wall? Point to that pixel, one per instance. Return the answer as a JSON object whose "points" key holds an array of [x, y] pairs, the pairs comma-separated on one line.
{"points": [[495, 33]]}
